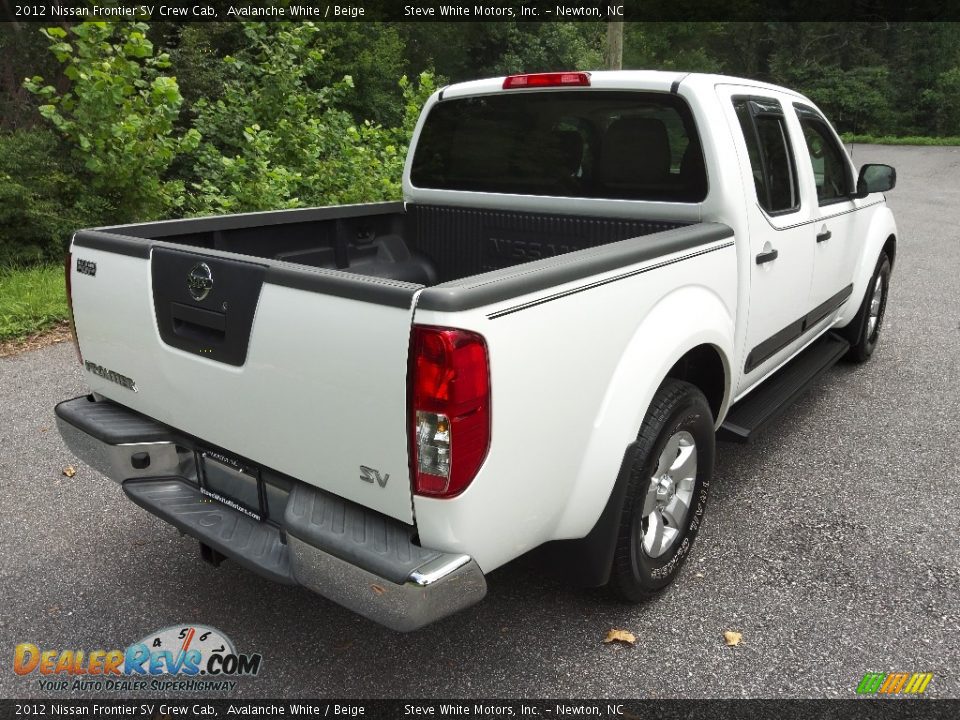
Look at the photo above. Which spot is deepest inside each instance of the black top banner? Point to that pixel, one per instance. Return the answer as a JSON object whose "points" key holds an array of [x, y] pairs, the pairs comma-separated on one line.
{"points": [[47, 11]]}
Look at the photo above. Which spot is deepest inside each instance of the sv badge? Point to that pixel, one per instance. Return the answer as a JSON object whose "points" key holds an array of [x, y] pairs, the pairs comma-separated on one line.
{"points": [[368, 474]]}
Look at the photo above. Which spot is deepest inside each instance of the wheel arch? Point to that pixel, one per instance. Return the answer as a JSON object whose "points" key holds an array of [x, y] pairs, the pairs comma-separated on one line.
{"points": [[890, 248], [707, 368]]}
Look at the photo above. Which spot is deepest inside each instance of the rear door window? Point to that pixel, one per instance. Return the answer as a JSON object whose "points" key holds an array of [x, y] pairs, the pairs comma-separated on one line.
{"points": [[594, 144], [771, 158]]}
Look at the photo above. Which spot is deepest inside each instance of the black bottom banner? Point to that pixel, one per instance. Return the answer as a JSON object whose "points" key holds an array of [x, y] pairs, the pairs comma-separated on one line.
{"points": [[854, 709]]}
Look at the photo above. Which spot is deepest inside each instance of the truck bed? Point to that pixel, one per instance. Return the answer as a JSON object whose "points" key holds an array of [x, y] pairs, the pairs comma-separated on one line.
{"points": [[422, 244]]}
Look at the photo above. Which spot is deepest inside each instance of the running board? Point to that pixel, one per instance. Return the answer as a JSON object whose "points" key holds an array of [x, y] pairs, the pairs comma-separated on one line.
{"points": [[749, 416]]}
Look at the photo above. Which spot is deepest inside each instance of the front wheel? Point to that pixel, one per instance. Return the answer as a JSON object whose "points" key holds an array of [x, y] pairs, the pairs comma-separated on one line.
{"points": [[666, 492], [864, 332]]}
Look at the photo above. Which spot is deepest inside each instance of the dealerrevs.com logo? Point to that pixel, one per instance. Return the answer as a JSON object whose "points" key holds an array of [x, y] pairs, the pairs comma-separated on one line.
{"points": [[179, 657]]}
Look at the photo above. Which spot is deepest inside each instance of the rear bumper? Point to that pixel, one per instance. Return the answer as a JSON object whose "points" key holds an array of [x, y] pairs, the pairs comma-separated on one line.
{"points": [[358, 558]]}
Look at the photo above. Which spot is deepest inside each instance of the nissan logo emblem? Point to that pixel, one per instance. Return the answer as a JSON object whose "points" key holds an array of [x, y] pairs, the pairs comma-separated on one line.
{"points": [[200, 281]]}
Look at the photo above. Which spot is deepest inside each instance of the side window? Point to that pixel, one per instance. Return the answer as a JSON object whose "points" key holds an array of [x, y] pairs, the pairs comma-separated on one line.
{"points": [[830, 168], [771, 159]]}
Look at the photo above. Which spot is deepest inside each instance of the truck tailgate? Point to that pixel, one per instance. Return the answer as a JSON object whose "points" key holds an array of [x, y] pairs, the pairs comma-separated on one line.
{"points": [[300, 370]]}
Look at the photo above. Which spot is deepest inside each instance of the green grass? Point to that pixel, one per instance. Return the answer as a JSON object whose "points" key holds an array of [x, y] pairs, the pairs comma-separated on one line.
{"points": [[31, 299], [906, 140]]}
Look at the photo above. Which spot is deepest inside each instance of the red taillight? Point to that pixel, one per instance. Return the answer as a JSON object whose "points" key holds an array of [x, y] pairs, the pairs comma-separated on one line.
{"points": [[73, 325], [449, 409], [554, 79]]}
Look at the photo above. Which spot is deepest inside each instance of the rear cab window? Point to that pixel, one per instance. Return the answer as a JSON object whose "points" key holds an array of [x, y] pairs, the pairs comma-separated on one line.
{"points": [[765, 133], [589, 144]]}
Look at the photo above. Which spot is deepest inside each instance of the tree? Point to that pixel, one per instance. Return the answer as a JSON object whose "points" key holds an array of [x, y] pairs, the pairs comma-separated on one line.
{"points": [[615, 45], [276, 137], [943, 102], [673, 46], [118, 114], [467, 51]]}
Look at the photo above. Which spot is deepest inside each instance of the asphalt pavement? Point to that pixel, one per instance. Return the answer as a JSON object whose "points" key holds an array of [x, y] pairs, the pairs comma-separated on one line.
{"points": [[831, 543]]}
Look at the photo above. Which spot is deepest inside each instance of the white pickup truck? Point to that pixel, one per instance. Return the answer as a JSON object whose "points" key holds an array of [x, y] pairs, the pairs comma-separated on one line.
{"points": [[591, 276]]}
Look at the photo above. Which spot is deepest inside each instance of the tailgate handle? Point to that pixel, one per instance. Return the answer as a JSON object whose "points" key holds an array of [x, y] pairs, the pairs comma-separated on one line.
{"points": [[197, 324]]}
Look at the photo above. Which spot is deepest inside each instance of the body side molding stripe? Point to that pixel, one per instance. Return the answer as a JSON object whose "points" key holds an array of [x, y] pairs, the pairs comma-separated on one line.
{"points": [[825, 308], [640, 271], [780, 339], [824, 219]]}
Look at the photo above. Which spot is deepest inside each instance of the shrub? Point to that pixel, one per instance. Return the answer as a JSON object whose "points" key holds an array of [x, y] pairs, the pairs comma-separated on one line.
{"points": [[43, 198], [943, 102], [117, 114], [273, 139]]}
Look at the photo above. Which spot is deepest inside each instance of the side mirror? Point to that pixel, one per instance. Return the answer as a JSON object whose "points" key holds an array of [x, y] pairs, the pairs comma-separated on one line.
{"points": [[875, 178]]}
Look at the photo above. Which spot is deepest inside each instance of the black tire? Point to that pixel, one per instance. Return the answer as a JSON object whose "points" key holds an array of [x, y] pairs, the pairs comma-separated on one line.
{"points": [[678, 407], [863, 339]]}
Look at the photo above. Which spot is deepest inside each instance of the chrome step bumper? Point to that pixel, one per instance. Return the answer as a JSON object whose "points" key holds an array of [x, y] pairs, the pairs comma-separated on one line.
{"points": [[360, 559]]}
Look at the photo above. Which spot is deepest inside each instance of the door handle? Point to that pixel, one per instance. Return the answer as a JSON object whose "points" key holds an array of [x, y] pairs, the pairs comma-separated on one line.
{"points": [[767, 256], [824, 236]]}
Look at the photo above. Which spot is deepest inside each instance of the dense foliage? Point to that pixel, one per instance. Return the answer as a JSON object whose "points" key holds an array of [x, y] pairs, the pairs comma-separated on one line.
{"points": [[43, 198], [273, 139], [118, 114], [123, 122], [265, 123]]}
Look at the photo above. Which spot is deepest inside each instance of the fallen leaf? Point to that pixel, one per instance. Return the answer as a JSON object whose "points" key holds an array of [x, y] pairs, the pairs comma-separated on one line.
{"points": [[69, 471], [731, 638], [44, 429], [623, 636], [378, 589]]}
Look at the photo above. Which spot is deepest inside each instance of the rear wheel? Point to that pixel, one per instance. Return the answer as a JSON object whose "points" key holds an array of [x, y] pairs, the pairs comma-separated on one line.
{"points": [[666, 492], [864, 332]]}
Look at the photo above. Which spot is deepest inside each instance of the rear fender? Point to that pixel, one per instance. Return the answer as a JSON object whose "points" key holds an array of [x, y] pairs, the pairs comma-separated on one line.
{"points": [[682, 320]]}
